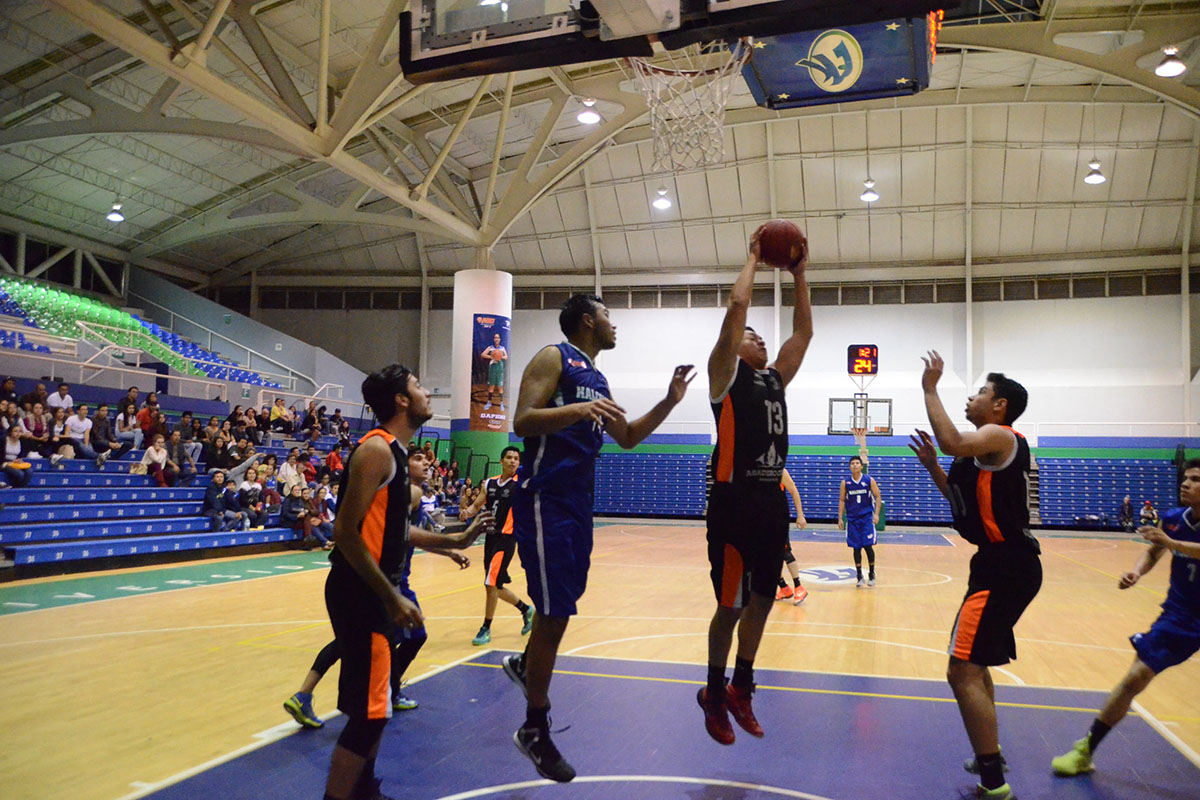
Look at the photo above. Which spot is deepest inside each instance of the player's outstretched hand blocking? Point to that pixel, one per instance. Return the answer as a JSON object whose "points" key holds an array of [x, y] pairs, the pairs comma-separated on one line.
{"points": [[679, 382], [934, 365], [922, 445], [479, 526]]}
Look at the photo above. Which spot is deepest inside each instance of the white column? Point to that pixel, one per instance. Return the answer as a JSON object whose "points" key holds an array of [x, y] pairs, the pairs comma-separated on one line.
{"points": [[476, 291]]}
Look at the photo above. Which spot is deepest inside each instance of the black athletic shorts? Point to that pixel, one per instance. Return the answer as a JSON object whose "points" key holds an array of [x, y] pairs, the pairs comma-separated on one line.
{"points": [[498, 549], [360, 626], [1003, 582], [747, 533]]}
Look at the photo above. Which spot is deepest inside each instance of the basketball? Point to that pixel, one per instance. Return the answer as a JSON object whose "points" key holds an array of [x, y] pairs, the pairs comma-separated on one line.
{"points": [[781, 244]]}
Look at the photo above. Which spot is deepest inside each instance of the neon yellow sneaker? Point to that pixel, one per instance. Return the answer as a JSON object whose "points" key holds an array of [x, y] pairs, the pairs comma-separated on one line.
{"points": [[1076, 762], [999, 793]]}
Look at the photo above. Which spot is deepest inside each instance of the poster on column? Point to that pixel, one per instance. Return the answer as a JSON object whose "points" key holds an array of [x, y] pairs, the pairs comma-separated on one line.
{"points": [[489, 371]]}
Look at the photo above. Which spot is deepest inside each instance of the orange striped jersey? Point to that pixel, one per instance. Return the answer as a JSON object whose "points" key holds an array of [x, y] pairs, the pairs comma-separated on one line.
{"points": [[385, 525], [991, 504], [499, 502], [752, 438]]}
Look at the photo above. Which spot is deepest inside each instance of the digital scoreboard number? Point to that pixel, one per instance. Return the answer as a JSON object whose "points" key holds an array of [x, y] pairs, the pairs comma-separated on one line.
{"points": [[862, 359]]}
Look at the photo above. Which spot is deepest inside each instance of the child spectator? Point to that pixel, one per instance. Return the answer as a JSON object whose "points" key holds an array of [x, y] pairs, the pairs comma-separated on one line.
{"points": [[220, 517], [159, 464]]}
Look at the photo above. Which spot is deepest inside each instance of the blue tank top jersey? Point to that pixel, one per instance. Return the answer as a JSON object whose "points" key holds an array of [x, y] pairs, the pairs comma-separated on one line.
{"points": [[1183, 596], [564, 463], [399, 578], [859, 500]]}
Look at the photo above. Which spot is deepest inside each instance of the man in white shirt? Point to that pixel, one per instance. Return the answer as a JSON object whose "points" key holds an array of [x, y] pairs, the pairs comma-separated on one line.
{"points": [[79, 431], [61, 398]]}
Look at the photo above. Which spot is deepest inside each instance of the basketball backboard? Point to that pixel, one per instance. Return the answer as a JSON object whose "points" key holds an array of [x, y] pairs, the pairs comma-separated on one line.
{"points": [[873, 413], [446, 39]]}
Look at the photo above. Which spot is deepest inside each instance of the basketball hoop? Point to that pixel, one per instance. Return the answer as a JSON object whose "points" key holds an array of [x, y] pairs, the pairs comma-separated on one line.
{"points": [[687, 102]]}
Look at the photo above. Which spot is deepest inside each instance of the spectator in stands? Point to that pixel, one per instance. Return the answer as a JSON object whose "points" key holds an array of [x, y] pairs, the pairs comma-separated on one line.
{"points": [[212, 429], [161, 425], [198, 434], [213, 451], [334, 423], [327, 503], [430, 508], [158, 463], [295, 516], [131, 396], [235, 416], [280, 420], [8, 390], [187, 436], [451, 493], [272, 461], [233, 502], [250, 425], [452, 474], [148, 416], [322, 527], [235, 462], [308, 465], [250, 498], [12, 461], [103, 440], [1149, 515], [221, 518], [11, 417], [333, 463], [429, 454], [270, 487], [181, 454], [59, 446], [62, 398], [1125, 514], [38, 395], [79, 433], [37, 430], [289, 472], [129, 430]]}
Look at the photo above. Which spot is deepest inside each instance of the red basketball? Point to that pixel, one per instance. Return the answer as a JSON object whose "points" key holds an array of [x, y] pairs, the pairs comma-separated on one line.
{"points": [[781, 244]]}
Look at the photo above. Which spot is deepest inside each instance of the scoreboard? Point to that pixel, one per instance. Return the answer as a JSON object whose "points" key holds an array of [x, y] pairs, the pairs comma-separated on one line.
{"points": [[862, 359]]}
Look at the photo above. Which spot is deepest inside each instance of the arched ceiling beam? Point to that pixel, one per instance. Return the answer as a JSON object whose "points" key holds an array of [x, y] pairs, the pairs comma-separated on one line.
{"points": [[1037, 39]]}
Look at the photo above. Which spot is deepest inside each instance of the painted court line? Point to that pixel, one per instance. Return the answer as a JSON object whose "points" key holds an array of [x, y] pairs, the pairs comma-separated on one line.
{"points": [[757, 787], [262, 739]]}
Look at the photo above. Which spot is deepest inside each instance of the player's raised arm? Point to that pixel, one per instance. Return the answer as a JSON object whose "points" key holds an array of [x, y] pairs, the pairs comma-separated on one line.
{"points": [[987, 440], [922, 445], [538, 385], [629, 434], [722, 362], [791, 353]]}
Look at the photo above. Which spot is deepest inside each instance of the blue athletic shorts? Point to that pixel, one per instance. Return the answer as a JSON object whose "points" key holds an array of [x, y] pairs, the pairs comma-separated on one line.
{"points": [[554, 540], [397, 634], [860, 532], [1165, 644]]}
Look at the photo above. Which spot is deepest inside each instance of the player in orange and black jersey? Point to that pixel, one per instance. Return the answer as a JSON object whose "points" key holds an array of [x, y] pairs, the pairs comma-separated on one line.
{"points": [[747, 512], [374, 541], [500, 544], [988, 490]]}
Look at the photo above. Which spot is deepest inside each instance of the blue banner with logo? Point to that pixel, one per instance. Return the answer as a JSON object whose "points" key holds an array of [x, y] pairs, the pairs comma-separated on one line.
{"points": [[489, 373], [838, 65]]}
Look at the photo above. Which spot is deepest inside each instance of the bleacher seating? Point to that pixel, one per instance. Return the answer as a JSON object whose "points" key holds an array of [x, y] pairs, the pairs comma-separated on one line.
{"points": [[1075, 487], [58, 312], [74, 511]]}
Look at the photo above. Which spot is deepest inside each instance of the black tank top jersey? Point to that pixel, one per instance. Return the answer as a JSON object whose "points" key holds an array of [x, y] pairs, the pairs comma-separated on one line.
{"points": [[752, 439], [499, 500], [385, 525], [991, 505]]}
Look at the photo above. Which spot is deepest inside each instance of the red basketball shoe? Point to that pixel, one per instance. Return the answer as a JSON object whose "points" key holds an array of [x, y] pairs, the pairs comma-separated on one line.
{"points": [[716, 718], [738, 701]]}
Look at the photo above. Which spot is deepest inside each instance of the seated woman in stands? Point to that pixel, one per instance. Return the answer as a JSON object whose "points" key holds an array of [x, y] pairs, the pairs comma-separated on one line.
{"points": [[211, 430], [322, 524], [37, 427], [270, 487], [333, 463], [161, 426], [327, 503], [289, 472], [250, 497], [198, 432], [158, 463], [295, 515], [452, 473], [250, 425], [59, 446], [12, 461], [13, 418], [148, 416], [279, 417], [129, 430]]}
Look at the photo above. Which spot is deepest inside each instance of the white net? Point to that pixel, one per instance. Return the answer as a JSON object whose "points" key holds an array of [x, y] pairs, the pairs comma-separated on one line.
{"points": [[687, 102]]}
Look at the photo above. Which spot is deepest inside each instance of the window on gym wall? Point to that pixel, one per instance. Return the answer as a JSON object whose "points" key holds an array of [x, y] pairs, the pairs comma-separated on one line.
{"points": [[1088, 286]]}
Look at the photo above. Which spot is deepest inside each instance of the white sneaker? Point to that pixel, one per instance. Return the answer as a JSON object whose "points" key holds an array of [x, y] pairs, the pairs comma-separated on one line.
{"points": [[57, 457], [871, 581], [861, 583]]}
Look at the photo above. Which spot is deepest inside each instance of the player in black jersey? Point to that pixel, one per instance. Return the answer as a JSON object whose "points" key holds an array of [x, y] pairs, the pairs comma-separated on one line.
{"points": [[500, 544], [373, 542], [988, 490], [747, 512]]}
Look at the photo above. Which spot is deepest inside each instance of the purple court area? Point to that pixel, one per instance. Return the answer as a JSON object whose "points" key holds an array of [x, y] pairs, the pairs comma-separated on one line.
{"points": [[636, 733], [925, 538]]}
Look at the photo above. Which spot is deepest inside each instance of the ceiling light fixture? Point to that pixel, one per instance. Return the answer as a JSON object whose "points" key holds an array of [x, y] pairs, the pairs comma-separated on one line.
{"points": [[589, 116], [1171, 66], [115, 215], [662, 202], [869, 194], [1094, 176]]}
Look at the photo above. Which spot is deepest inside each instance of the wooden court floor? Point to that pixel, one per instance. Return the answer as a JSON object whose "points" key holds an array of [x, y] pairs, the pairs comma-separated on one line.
{"points": [[103, 699]]}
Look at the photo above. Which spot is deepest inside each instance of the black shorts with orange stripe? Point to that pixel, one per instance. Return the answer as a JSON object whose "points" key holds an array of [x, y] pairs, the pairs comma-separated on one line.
{"points": [[498, 551], [747, 534], [1002, 584], [360, 626]]}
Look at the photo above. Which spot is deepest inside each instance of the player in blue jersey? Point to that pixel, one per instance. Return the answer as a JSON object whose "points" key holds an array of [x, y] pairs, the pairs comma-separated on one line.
{"points": [[1175, 635], [564, 408], [859, 503]]}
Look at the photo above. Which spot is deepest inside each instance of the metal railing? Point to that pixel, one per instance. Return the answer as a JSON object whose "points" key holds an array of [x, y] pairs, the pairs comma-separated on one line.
{"points": [[88, 372], [172, 316]]}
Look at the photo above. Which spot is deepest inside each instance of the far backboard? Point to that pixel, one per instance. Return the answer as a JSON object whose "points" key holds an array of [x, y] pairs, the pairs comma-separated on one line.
{"points": [[875, 414]]}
